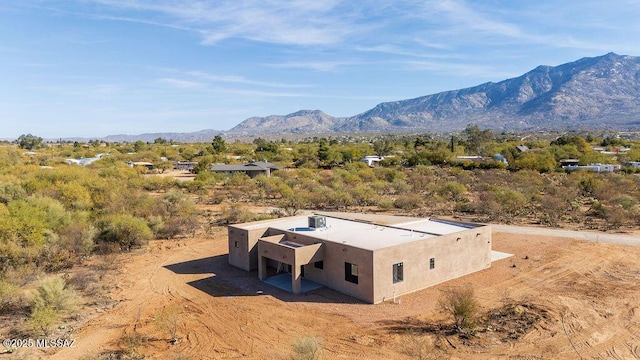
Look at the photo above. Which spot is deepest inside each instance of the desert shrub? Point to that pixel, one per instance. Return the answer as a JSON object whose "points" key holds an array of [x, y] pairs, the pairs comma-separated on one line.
{"points": [[589, 185], [218, 198], [131, 342], [419, 347], [627, 202], [511, 202], [177, 225], [52, 301], [388, 174], [83, 280], [294, 202], [408, 202], [77, 237], [616, 216], [234, 214], [73, 195], [452, 190], [400, 186], [56, 258], [125, 230], [43, 320], [11, 191], [461, 304], [541, 161], [385, 204], [237, 180], [158, 183], [54, 293], [169, 320], [12, 299], [339, 199], [29, 220], [307, 348], [364, 195]]}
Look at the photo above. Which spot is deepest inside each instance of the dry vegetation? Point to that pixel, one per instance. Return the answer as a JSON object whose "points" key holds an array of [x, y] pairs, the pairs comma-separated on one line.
{"points": [[131, 263]]}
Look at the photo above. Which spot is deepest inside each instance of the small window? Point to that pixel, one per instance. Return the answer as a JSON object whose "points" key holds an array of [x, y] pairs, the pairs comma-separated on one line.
{"points": [[351, 272], [235, 244], [432, 263], [318, 264], [398, 273]]}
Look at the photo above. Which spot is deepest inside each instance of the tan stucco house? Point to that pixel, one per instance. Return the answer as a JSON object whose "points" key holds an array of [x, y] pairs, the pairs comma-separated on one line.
{"points": [[369, 257]]}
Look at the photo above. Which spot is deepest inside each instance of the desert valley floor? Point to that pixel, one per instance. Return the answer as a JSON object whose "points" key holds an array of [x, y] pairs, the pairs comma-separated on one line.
{"points": [[582, 297]]}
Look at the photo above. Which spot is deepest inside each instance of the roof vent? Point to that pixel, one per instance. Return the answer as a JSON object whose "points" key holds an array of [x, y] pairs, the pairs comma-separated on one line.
{"points": [[317, 221]]}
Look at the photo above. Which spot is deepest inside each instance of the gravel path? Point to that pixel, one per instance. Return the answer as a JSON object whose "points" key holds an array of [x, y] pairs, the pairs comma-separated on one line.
{"points": [[621, 239]]}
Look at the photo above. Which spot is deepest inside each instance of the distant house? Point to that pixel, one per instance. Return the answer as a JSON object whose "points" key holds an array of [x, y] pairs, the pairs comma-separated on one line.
{"points": [[371, 160], [593, 167], [569, 162], [470, 157], [84, 161], [185, 165], [252, 169], [146, 164], [522, 148]]}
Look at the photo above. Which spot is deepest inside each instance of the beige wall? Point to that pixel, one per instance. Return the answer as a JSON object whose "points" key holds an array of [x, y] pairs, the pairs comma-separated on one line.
{"points": [[245, 255], [455, 255], [334, 256]]}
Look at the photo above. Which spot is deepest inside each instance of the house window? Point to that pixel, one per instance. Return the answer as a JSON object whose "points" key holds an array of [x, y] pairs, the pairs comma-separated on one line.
{"points": [[235, 244], [398, 273], [432, 263], [351, 272], [318, 264]]}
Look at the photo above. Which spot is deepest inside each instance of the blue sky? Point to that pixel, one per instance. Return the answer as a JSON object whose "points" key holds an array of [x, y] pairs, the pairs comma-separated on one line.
{"points": [[92, 68]]}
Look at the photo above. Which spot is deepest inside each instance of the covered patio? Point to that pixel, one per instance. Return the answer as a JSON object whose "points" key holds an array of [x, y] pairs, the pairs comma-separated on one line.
{"points": [[279, 249]]}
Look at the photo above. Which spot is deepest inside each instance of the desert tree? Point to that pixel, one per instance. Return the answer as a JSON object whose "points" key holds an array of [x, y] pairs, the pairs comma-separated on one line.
{"points": [[29, 141], [218, 145]]}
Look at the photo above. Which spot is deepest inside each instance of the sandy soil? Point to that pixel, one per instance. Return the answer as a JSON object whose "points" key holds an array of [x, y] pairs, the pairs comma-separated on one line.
{"points": [[588, 293]]}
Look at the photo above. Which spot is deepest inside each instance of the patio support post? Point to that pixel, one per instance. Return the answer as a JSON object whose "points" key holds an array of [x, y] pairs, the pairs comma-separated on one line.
{"points": [[296, 279]]}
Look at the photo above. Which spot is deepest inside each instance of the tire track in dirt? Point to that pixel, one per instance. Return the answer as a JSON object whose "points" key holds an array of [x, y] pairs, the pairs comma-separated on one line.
{"points": [[589, 283]]}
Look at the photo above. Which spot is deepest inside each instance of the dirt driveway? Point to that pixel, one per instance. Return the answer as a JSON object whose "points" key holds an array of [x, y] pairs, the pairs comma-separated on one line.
{"points": [[589, 291]]}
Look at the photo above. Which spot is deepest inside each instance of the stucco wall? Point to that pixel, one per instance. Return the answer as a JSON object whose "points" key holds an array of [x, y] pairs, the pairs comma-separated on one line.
{"points": [[245, 255], [334, 256], [455, 255]]}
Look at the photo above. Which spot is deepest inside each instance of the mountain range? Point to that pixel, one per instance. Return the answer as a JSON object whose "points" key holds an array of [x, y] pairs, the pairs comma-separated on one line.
{"points": [[593, 93]]}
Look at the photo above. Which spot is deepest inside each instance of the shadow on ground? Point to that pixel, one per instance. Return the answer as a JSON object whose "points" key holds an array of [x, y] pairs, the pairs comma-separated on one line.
{"points": [[228, 281]]}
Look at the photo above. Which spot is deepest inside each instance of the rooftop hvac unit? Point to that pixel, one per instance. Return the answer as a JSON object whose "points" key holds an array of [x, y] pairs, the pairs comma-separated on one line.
{"points": [[317, 221]]}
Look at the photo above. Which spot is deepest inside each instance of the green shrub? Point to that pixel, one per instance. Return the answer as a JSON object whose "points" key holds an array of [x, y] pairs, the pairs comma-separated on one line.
{"points": [[125, 230], [408, 202], [52, 301], [43, 320], [462, 305]]}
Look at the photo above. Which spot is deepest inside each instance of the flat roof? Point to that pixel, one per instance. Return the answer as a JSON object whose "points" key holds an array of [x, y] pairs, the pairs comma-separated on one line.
{"points": [[363, 233]]}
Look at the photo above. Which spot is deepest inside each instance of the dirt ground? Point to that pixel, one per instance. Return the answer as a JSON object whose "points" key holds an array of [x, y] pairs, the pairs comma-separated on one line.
{"points": [[582, 298]]}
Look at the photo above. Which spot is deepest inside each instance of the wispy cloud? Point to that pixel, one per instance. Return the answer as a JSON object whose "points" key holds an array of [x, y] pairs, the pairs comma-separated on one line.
{"points": [[241, 80], [182, 84], [282, 22], [312, 65], [459, 69]]}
